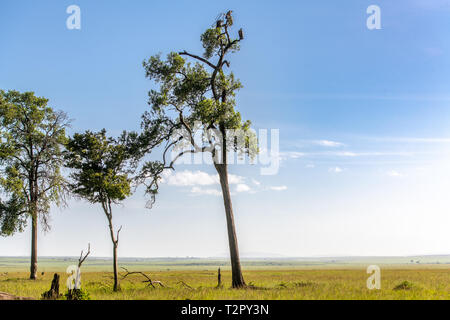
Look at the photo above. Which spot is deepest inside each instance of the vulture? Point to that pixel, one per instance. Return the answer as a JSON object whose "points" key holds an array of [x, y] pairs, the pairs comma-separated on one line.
{"points": [[241, 34], [229, 18]]}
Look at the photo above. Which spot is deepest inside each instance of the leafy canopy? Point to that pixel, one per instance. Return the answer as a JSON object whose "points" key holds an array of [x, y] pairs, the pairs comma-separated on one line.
{"points": [[101, 166], [31, 138], [199, 91]]}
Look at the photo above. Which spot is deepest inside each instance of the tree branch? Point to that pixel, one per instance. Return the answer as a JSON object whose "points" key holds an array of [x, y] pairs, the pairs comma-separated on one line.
{"points": [[81, 260], [198, 58], [150, 281], [117, 237]]}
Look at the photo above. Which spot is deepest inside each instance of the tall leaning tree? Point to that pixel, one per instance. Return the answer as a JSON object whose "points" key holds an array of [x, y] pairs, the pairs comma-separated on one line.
{"points": [[101, 168], [32, 136], [201, 91]]}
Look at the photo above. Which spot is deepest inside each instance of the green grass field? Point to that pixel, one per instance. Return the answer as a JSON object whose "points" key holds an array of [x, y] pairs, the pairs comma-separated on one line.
{"points": [[270, 279]]}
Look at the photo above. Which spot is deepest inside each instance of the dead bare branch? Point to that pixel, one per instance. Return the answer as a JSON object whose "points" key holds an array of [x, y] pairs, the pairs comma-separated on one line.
{"points": [[81, 260], [150, 281], [185, 284], [117, 237]]}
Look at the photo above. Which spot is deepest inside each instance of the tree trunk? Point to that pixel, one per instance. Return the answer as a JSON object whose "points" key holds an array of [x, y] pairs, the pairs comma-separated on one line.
{"points": [[236, 273], [34, 227], [115, 241], [116, 280]]}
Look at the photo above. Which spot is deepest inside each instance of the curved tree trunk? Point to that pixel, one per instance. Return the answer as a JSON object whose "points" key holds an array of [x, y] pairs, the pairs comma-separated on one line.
{"points": [[33, 266], [236, 273]]}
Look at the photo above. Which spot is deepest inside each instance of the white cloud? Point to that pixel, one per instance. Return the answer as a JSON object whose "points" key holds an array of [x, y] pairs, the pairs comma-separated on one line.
{"points": [[394, 173], [328, 143], [202, 183], [278, 188], [189, 178], [242, 188], [199, 191], [233, 179], [346, 154], [310, 166], [290, 155], [336, 170], [196, 178]]}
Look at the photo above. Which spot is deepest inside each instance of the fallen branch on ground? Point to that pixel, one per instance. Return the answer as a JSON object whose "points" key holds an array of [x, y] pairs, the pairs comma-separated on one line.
{"points": [[150, 281], [185, 284]]}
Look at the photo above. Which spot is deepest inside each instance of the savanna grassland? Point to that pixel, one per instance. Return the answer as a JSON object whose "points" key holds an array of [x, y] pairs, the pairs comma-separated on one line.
{"points": [[267, 279]]}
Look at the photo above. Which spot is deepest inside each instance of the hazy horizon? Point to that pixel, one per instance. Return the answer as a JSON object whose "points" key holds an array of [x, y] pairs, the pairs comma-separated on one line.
{"points": [[243, 256]]}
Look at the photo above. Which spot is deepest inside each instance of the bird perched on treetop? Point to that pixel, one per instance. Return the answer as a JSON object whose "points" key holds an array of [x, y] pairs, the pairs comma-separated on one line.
{"points": [[229, 18], [241, 34]]}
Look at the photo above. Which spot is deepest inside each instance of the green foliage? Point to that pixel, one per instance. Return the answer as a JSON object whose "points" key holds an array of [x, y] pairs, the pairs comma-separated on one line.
{"points": [[101, 172], [12, 216], [197, 96], [214, 40], [211, 40], [31, 138], [77, 294], [101, 166]]}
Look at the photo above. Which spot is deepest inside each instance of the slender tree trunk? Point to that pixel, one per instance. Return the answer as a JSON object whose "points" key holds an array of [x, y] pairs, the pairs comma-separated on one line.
{"points": [[34, 227], [116, 280], [236, 273], [115, 242], [34, 224]]}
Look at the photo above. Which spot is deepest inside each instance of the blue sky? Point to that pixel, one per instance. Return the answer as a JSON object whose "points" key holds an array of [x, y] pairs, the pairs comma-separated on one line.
{"points": [[363, 117]]}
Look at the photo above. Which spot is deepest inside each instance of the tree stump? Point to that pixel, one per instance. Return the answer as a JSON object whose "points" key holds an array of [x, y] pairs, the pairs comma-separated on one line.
{"points": [[219, 279], [53, 293]]}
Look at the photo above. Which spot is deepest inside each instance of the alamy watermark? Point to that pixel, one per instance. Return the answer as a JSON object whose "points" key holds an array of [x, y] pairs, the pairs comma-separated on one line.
{"points": [[374, 281], [74, 279], [74, 20], [374, 20]]}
